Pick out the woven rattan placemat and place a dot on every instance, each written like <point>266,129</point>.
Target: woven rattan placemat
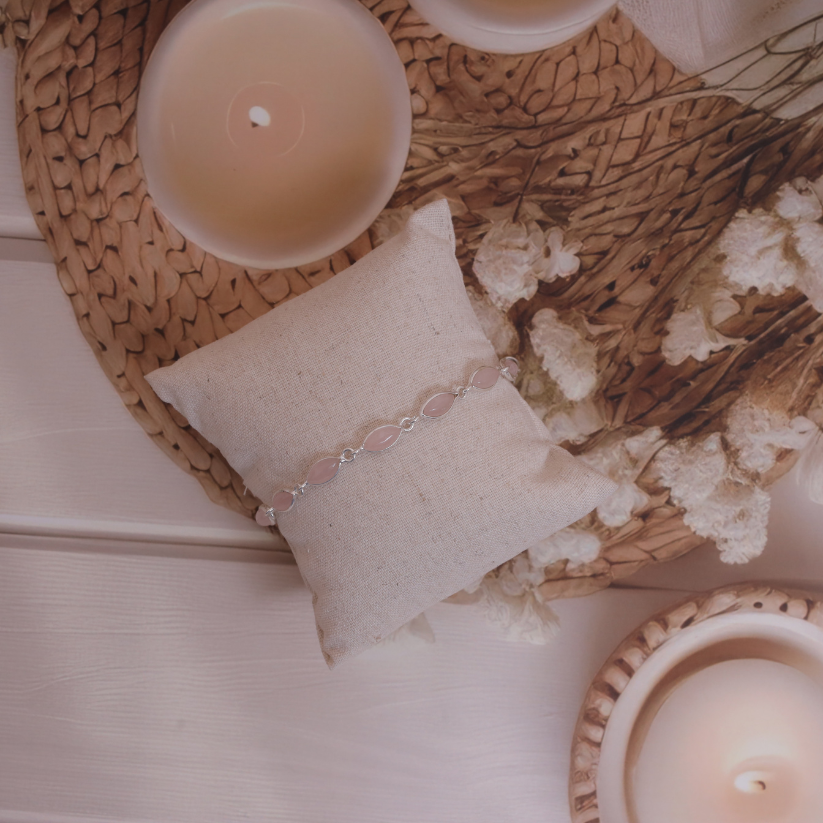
<point>641,164</point>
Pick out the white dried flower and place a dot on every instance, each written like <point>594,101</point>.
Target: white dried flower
<point>575,545</point>
<point>642,447</point>
<point>753,243</point>
<point>809,471</point>
<point>817,187</point>
<point>736,517</point>
<point>526,573</point>
<point>563,260</point>
<point>618,508</point>
<point>758,434</point>
<point>508,261</point>
<point>808,238</point>
<point>495,324</point>
<point>798,202</point>
<point>525,618</point>
<point>691,333</point>
<point>390,222</point>
<point>513,256</point>
<point>563,429</point>
<point>414,633</point>
<point>722,306</point>
<point>508,583</point>
<point>717,505</point>
<point>577,425</point>
<point>473,587</point>
<point>622,459</point>
<point>692,470</point>
<point>536,387</point>
<point>570,360</point>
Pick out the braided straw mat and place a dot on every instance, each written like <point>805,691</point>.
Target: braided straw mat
<point>643,165</point>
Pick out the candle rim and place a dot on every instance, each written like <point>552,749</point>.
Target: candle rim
<point>398,116</point>
<point>767,605</point>
<point>730,631</point>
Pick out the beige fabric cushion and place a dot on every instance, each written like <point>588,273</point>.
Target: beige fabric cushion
<point>398,531</point>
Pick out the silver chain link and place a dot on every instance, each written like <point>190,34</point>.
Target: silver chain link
<point>406,425</point>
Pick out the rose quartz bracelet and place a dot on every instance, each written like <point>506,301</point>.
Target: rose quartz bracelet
<point>384,437</point>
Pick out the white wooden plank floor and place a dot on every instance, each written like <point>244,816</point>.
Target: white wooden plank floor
<point>165,689</point>
<point>158,662</point>
<point>73,459</point>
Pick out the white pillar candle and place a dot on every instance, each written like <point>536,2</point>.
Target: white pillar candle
<point>738,742</point>
<point>511,26</point>
<point>273,132</point>
<point>711,712</point>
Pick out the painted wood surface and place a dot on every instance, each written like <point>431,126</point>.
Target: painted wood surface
<point>73,459</point>
<point>15,217</point>
<point>140,688</point>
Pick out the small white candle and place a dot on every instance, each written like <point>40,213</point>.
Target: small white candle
<point>511,26</point>
<point>711,712</point>
<point>738,742</point>
<point>273,132</point>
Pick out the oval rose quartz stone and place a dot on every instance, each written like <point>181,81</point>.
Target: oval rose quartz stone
<point>439,405</point>
<point>381,438</point>
<point>323,471</point>
<point>262,518</point>
<point>282,501</point>
<point>513,366</point>
<point>485,378</point>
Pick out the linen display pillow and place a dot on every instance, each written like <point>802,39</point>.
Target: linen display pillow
<point>398,531</point>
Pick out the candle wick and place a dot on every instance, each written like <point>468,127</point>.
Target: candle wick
<point>750,783</point>
<point>259,117</point>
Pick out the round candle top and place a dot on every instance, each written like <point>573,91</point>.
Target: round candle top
<point>273,132</point>
<point>738,742</point>
<point>511,26</point>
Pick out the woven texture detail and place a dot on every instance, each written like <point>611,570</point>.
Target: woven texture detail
<point>601,135</point>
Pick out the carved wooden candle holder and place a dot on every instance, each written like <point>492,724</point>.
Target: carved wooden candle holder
<point>711,710</point>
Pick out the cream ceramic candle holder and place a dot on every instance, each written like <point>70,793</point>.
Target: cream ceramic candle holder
<point>712,710</point>
<point>273,133</point>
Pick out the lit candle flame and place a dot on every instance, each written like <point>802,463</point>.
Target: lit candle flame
<point>751,782</point>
